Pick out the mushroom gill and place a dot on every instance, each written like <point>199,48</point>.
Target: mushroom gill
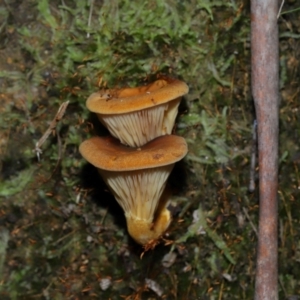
<point>139,193</point>
<point>137,115</point>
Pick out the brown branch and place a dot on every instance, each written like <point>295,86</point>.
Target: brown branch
<point>265,91</point>
<point>59,115</point>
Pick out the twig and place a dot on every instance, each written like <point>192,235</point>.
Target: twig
<point>192,200</point>
<point>60,113</point>
<point>250,221</point>
<point>63,237</point>
<point>90,16</point>
<point>265,92</point>
<point>284,290</point>
<point>280,9</point>
<point>290,218</point>
<point>59,146</point>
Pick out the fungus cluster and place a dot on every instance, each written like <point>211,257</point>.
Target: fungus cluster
<point>136,161</point>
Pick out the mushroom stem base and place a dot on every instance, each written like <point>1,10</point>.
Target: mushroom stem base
<point>143,231</point>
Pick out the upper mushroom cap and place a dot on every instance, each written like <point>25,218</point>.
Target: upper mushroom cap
<point>120,101</point>
<point>109,154</point>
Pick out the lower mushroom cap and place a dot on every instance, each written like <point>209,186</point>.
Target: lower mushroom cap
<point>107,153</point>
<point>137,178</point>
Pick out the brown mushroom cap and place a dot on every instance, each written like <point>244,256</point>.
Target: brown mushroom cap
<point>120,101</point>
<point>137,178</point>
<point>107,153</point>
<point>136,116</point>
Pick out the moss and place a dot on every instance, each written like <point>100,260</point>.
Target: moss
<point>62,231</point>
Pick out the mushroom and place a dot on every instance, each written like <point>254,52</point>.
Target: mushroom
<point>138,115</point>
<point>137,178</point>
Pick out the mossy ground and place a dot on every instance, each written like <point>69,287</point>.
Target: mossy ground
<point>62,235</point>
